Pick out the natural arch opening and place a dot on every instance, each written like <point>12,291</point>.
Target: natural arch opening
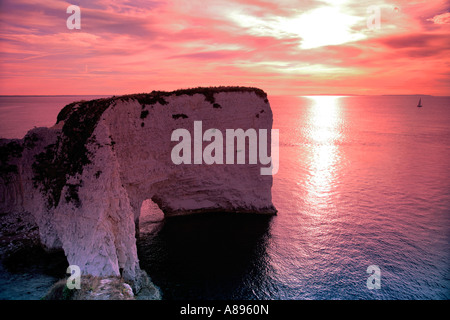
<point>217,256</point>
<point>150,216</point>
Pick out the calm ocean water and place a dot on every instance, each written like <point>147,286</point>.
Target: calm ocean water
<point>18,114</point>
<point>363,180</point>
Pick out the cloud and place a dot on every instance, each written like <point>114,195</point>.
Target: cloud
<point>443,18</point>
<point>129,46</point>
<point>210,55</point>
<point>422,40</point>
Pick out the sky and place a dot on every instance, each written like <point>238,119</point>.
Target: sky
<point>284,47</point>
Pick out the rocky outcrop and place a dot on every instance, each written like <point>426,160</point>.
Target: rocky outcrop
<point>84,179</point>
<point>92,288</point>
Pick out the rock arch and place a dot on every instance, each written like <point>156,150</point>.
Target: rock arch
<point>84,180</point>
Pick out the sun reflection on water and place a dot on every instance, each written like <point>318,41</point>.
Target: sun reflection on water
<point>323,132</point>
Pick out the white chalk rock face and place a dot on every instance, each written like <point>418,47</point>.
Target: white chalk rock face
<point>85,179</point>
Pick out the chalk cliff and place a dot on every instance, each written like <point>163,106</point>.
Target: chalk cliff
<point>84,179</point>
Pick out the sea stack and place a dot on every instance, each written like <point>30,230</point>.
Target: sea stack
<point>84,179</point>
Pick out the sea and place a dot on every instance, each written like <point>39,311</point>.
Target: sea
<point>363,200</point>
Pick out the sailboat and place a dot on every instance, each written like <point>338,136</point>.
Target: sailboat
<point>419,105</point>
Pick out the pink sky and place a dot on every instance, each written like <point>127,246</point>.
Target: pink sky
<point>282,47</point>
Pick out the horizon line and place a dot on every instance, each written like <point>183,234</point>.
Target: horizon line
<point>293,95</point>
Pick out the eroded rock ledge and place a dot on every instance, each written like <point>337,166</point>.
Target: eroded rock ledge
<point>84,179</point>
